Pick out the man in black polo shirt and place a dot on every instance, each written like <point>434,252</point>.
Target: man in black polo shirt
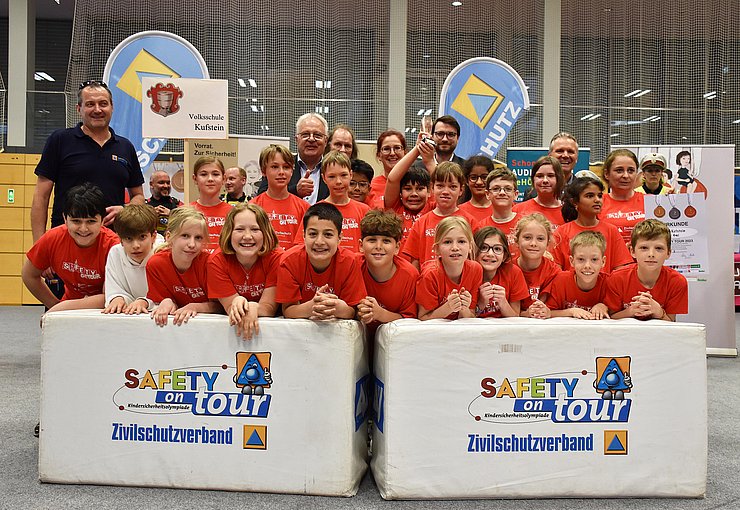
<point>88,152</point>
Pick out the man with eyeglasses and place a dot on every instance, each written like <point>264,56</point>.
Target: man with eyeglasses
<point>445,134</point>
<point>89,152</point>
<point>311,138</point>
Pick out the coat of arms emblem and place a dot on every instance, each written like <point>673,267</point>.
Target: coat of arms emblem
<point>164,98</point>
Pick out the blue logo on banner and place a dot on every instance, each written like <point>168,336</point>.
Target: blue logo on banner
<point>486,96</point>
<point>146,54</point>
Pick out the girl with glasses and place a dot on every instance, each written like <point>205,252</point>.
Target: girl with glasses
<point>503,286</point>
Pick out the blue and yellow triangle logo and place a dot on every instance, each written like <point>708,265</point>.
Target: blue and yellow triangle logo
<point>615,442</point>
<point>143,65</point>
<point>255,437</point>
<point>477,101</point>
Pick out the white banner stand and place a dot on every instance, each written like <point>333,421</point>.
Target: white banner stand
<point>513,408</point>
<point>125,402</point>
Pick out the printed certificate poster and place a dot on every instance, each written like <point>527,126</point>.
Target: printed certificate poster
<point>685,215</point>
<point>184,108</point>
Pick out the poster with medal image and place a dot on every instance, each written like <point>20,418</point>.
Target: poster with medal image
<point>685,215</point>
<point>706,241</point>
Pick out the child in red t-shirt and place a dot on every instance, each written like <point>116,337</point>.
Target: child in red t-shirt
<point>319,280</point>
<point>447,188</point>
<point>648,289</point>
<point>336,172</point>
<point>580,291</point>
<point>76,252</point>
<point>176,273</point>
<point>284,209</point>
<point>581,206</point>
<point>390,281</point>
<point>242,275</point>
<point>208,175</point>
<point>503,285</point>
<point>448,286</point>
<point>477,202</point>
<point>533,236</point>
<point>501,191</point>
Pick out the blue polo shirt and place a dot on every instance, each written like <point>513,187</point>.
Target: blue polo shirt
<point>71,158</point>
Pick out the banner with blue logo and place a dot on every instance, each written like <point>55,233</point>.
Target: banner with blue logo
<point>487,97</point>
<point>146,54</point>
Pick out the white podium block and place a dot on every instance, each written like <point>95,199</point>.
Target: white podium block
<point>125,402</point>
<point>516,408</point>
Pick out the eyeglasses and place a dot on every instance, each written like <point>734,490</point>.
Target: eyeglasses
<point>496,248</point>
<point>476,178</point>
<point>388,149</point>
<point>315,136</point>
<point>93,83</point>
<point>498,189</point>
<point>445,134</point>
<point>361,185</point>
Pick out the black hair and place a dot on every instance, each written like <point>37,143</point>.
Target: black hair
<point>572,194</point>
<point>324,211</point>
<point>416,176</point>
<point>363,167</point>
<point>447,119</point>
<point>84,201</point>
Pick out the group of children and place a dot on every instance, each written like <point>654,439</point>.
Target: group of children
<point>417,256</point>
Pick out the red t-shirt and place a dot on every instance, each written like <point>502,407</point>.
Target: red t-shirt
<point>227,277</point>
<point>352,214</point>
<point>420,242</point>
<point>165,281</point>
<point>434,285</point>
<point>616,253</point>
<point>397,295</point>
<point>507,227</point>
<point>81,269</point>
<point>511,278</point>
<point>286,216</point>
<point>553,214</point>
<point>215,218</point>
<point>409,218</point>
<point>477,213</point>
<point>623,214</point>
<point>539,280</point>
<point>297,280</point>
<point>671,290</point>
<point>563,292</point>
<point>377,190</point>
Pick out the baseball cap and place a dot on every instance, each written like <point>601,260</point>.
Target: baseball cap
<point>653,158</point>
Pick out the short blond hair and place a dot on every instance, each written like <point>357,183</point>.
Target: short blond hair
<point>447,224</point>
<point>649,230</point>
<point>588,238</point>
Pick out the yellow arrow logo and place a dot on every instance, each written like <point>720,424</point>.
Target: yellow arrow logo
<point>144,64</point>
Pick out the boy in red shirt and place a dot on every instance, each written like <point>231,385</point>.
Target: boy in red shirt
<point>447,187</point>
<point>390,280</point>
<point>336,172</point>
<point>648,289</point>
<point>76,251</point>
<point>580,291</point>
<point>208,175</point>
<point>284,209</point>
<point>502,191</point>
<point>319,280</point>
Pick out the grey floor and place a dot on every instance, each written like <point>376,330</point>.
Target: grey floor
<point>20,488</point>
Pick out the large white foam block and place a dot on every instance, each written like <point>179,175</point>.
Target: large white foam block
<point>515,408</point>
<point>125,402</point>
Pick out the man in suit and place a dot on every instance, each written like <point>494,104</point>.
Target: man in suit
<point>311,138</point>
<point>445,133</point>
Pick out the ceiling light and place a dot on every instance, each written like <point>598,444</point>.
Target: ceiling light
<point>254,107</point>
<point>613,135</point>
<point>630,94</point>
<point>327,84</point>
<point>265,128</point>
<point>252,83</point>
<point>652,118</point>
<point>319,84</point>
<point>44,76</point>
<point>426,56</point>
<point>456,3</point>
<point>710,95</point>
<point>420,112</point>
<point>241,83</point>
<point>736,121</point>
<point>428,112</point>
<point>640,94</point>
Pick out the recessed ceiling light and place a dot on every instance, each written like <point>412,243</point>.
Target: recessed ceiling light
<point>426,56</point>
<point>456,3</point>
<point>241,82</point>
<point>252,83</point>
<point>642,93</point>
